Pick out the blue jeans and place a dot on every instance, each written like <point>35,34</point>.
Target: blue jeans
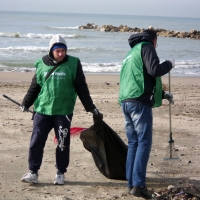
<point>138,124</point>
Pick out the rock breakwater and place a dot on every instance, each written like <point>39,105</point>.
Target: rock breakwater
<point>193,34</point>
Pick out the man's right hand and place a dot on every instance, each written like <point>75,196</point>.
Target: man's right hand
<point>23,109</point>
<point>172,62</point>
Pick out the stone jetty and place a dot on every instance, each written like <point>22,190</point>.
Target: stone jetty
<point>193,34</point>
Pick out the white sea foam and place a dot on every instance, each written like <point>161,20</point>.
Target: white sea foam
<point>34,35</point>
<point>42,49</point>
<point>113,67</point>
<point>25,49</point>
<point>80,49</point>
<point>102,67</point>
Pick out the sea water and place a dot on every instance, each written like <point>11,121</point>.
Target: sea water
<point>25,36</point>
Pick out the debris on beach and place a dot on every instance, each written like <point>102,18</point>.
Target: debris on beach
<point>185,192</point>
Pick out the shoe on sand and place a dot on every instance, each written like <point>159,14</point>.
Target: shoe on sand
<point>59,179</point>
<point>30,178</point>
<point>141,191</point>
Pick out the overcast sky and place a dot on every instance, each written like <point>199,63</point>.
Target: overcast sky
<point>174,8</point>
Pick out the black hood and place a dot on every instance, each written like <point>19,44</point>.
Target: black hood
<point>139,37</point>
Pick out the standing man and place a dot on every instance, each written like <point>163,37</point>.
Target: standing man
<point>140,90</point>
<point>58,80</point>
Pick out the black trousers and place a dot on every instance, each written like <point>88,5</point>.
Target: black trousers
<point>42,125</point>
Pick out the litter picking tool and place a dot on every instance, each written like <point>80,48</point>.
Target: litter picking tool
<point>171,141</point>
<point>15,102</point>
<point>74,131</point>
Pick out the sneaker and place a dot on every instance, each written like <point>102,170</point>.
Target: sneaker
<point>59,179</point>
<point>30,178</point>
<point>141,191</point>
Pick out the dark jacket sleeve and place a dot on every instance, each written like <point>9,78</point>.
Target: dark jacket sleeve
<point>82,89</point>
<point>32,93</point>
<point>151,62</point>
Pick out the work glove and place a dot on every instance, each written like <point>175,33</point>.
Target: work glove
<point>172,62</point>
<point>96,114</point>
<point>169,97</point>
<point>24,109</point>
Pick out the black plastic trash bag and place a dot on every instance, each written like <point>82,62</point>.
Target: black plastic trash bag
<point>108,150</point>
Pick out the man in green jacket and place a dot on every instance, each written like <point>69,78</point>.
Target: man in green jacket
<point>140,90</point>
<point>58,80</point>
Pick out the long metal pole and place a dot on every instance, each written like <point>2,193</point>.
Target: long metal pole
<point>170,125</point>
<point>15,102</point>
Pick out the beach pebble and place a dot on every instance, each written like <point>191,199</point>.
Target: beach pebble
<point>175,149</point>
<point>151,164</point>
<point>170,187</point>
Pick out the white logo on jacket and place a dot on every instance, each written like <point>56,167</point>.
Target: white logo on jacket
<point>56,74</point>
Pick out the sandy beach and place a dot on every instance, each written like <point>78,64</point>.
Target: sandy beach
<point>83,179</point>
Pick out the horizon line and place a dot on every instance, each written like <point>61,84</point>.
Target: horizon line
<point>98,14</point>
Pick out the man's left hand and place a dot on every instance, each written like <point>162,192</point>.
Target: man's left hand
<point>96,114</point>
<point>169,97</point>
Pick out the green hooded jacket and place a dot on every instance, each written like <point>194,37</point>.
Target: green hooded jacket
<point>132,78</point>
<point>57,95</point>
